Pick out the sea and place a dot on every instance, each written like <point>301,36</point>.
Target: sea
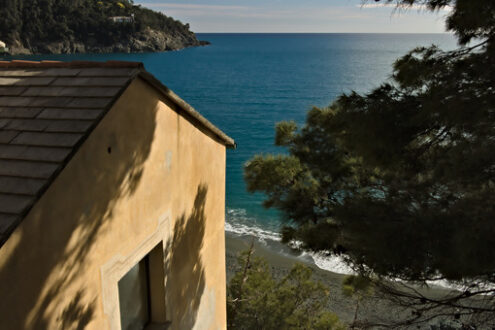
<point>246,83</point>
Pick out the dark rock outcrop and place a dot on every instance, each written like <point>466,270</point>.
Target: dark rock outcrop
<point>141,42</point>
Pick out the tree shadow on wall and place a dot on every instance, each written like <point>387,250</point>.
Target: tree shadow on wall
<point>186,281</point>
<point>77,315</point>
<point>49,260</point>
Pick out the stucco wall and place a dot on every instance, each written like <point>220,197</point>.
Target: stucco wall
<point>146,173</point>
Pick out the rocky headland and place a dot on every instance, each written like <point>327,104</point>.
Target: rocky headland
<point>141,42</point>
<point>90,26</point>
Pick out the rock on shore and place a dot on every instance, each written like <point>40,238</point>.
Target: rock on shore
<point>140,42</point>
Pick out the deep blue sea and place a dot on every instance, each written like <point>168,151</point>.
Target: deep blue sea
<point>245,83</point>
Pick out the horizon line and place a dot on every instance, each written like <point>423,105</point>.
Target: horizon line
<point>324,33</point>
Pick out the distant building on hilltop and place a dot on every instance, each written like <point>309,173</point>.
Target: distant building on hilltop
<point>3,47</point>
<point>122,19</point>
<point>112,201</point>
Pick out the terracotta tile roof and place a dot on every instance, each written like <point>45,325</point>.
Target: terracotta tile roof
<point>47,109</point>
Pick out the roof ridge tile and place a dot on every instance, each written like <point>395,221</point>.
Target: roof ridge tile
<point>73,64</point>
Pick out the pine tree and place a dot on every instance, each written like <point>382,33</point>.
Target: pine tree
<point>258,300</point>
<point>401,180</point>
<point>358,287</point>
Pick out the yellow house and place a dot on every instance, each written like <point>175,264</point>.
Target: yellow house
<point>112,198</point>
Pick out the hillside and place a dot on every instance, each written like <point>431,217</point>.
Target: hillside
<point>93,26</point>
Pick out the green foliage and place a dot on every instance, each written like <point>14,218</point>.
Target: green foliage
<point>36,22</point>
<point>400,180</point>
<point>356,285</point>
<point>257,300</point>
<point>285,132</point>
<point>469,19</point>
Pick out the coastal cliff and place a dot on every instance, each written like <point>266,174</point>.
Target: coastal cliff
<point>146,41</point>
<point>89,26</point>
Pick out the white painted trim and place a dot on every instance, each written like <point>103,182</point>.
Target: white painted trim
<point>119,265</point>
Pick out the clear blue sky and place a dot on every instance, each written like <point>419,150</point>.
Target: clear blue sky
<point>298,16</point>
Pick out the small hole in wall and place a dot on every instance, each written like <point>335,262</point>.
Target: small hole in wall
<point>109,150</point>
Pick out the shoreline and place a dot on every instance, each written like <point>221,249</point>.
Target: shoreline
<point>101,50</point>
<point>280,260</point>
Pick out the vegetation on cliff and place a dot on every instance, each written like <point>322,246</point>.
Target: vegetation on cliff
<point>68,26</point>
<point>256,299</point>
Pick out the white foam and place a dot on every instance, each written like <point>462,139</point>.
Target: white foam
<point>462,287</point>
<point>333,263</point>
<point>259,233</point>
<point>240,224</point>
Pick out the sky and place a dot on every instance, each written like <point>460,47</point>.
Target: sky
<point>337,16</point>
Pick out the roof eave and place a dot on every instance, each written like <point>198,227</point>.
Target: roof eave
<point>205,123</point>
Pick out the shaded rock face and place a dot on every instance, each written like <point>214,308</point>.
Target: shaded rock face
<point>17,47</point>
<point>152,40</point>
<point>147,41</point>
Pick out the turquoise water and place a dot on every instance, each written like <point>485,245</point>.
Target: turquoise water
<point>245,83</point>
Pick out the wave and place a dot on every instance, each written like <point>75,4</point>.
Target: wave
<point>239,223</point>
<point>335,264</point>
